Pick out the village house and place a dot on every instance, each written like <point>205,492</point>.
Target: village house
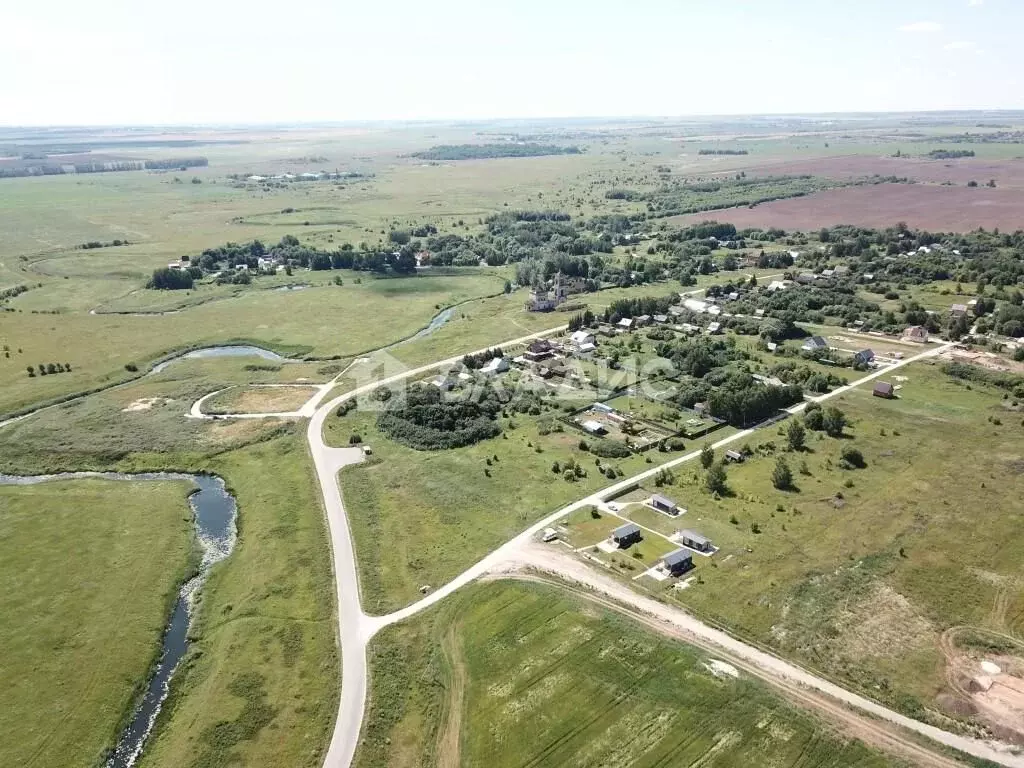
<point>864,357</point>
<point>814,343</point>
<point>594,427</point>
<point>883,389</point>
<point>664,504</point>
<point>626,534</point>
<point>579,338</point>
<point>495,366</point>
<point>661,319</point>
<point>626,323</point>
<point>678,562</point>
<point>714,328</point>
<point>641,320</point>
<point>776,285</point>
<point>541,349</point>
<point>958,310</point>
<point>694,540</point>
<point>917,333</point>
<point>694,305</point>
<point>606,330</point>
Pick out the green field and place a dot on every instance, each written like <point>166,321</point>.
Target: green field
<point>90,570</point>
<point>858,572</point>
<point>516,675</point>
<point>324,321</point>
<point>260,686</point>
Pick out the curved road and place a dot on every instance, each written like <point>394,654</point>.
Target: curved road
<point>356,628</point>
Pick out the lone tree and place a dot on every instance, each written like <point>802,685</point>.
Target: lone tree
<point>833,421</point>
<point>715,479</point>
<point>795,435</point>
<point>814,418</point>
<point>707,456</point>
<point>782,475</point>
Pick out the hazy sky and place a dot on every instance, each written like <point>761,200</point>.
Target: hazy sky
<point>217,61</point>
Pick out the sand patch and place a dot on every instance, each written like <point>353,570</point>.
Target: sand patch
<point>884,624</point>
<point>145,404</point>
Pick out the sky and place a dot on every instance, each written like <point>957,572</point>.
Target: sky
<point>124,62</point>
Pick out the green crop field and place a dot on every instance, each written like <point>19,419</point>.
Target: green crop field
<point>90,570</point>
<point>513,675</point>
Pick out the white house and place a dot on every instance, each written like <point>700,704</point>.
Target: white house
<point>579,338</point>
<point>695,305</point>
<point>495,365</point>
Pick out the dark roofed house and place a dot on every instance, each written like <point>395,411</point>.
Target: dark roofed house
<point>865,356</point>
<point>539,350</point>
<point>679,561</point>
<point>664,504</point>
<point>815,342</point>
<point>626,534</point>
<point>883,389</point>
<point>694,540</point>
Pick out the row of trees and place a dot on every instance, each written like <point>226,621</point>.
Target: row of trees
<point>49,369</point>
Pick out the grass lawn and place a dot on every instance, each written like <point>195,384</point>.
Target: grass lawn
<point>859,571</point>
<point>90,570</point>
<point>508,674</point>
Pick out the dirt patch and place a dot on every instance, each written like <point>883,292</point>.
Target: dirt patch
<point>884,624</point>
<point>989,360</point>
<point>259,400</point>
<point>145,404</point>
<point>937,208</point>
<point>988,685</point>
<point>236,431</point>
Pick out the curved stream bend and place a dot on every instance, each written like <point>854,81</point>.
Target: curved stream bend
<point>214,514</point>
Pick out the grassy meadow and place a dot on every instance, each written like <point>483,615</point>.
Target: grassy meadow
<point>90,570</point>
<point>509,675</point>
<point>421,517</point>
<point>323,321</point>
<point>260,685</point>
<point>857,572</point>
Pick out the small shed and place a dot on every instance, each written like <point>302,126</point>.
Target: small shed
<point>626,534</point>
<point>734,456</point>
<point>883,389</point>
<point>694,540</point>
<point>594,427</point>
<point>678,561</point>
<point>664,504</point>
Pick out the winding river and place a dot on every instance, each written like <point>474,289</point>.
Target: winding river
<point>214,514</point>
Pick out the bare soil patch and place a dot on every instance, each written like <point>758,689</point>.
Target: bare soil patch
<point>259,400</point>
<point>937,208</point>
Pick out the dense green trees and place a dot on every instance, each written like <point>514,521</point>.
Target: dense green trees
<point>166,279</point>
<point>426,421</point>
